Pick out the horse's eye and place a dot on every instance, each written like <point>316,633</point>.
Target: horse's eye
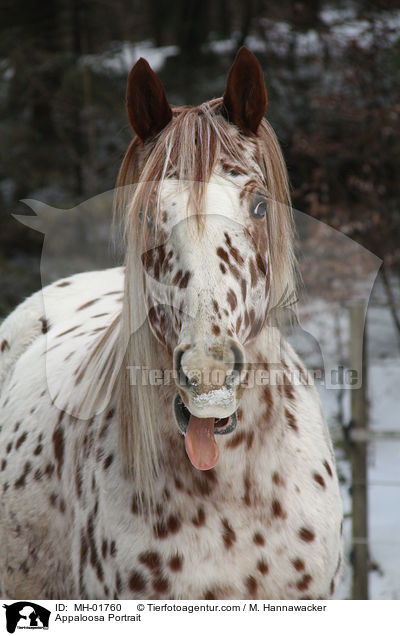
<point>259,209</point>
<point>149,219</point>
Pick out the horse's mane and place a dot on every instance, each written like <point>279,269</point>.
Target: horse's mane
<point>188,150</point>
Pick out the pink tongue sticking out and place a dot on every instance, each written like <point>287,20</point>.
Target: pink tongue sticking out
<point>200,444</point>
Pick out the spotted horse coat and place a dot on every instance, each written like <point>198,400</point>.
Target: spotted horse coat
<point>109,501</point>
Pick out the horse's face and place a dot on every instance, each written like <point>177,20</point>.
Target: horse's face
<point>206,273</point>
<point>207,281</point>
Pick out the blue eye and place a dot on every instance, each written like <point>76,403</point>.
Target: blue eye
<point>149,219</point>
<point>260,208</point>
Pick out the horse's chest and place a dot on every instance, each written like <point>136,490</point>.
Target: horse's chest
<point>204,550</point>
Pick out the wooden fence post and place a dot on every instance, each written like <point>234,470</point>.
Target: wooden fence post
<point>359,420</point>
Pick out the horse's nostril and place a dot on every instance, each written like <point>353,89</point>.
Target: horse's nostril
<point>238,357</point>
<point>183,379</point>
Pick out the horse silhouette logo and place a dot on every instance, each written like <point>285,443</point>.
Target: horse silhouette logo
<point>26,615</point>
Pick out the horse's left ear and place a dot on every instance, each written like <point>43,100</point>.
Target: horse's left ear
<point>245,97</point>
<point>146,101</point>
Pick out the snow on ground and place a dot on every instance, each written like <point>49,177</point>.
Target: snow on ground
<point>123,56</point>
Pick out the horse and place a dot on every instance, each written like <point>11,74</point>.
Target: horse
<point>146,450</point>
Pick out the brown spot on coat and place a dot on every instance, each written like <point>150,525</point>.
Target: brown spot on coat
<point>78,481</point>
<point>251,584</point>
<point>137,582</point>
<point>108,461</point>
<point>253,272</point>
<point>235,441</point>
<point>319,479</point>
<point>262,567</point>
<point>306,535</point>
<point>20,440</point>
<point>84,549</point>
<point>160,530</point>
<point>45,325</point>
<point>173,524</point>
<point>258,539</point>
<point>228,534</point>
<point>232,299</point>
<point>276,478</point>
<point>277,510</point>
<point>184,280</point>
<point>291,420</point>
<point>20,482</point>
<point>49,470</point>
<point>210,595</point>
<point>176,563</point>
<point>88,304</point>
<point>243,287</point>
<point>289,389</point>
<point>261,264</point>
<point>247,488</point>
<point>234,252</point>
<point>64,333</point>
<point>223,255</point>
<point>152,560</point>
<point>328,469</point>
<point>204,483</point>
<point>118,583</point>
<point>4,346</point>
<point>135,505</point>
<point>298,564</point>
<point>304,583</point>
<point>177,277</point>
<point>200,518</point>
<point>58,446</point>
<point>94,557</point>
<point>161,584</point>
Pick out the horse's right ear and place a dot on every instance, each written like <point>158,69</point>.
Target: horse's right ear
<point>146,102</point>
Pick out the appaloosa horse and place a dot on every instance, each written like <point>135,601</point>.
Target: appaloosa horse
<point>122,479</point>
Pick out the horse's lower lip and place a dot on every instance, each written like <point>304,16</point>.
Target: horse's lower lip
<point>222,426</point>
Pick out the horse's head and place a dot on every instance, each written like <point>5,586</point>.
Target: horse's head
<point>211,226</point>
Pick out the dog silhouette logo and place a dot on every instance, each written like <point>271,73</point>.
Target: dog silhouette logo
<point>26,615</point>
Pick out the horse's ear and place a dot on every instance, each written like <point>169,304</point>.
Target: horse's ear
<point>245,97</point>
<point>146,102</point>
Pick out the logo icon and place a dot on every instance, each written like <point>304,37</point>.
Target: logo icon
<point>26,615</point>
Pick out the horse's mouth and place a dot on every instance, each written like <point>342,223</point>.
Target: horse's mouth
<point>222,426</point>
<point>200,443</point>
